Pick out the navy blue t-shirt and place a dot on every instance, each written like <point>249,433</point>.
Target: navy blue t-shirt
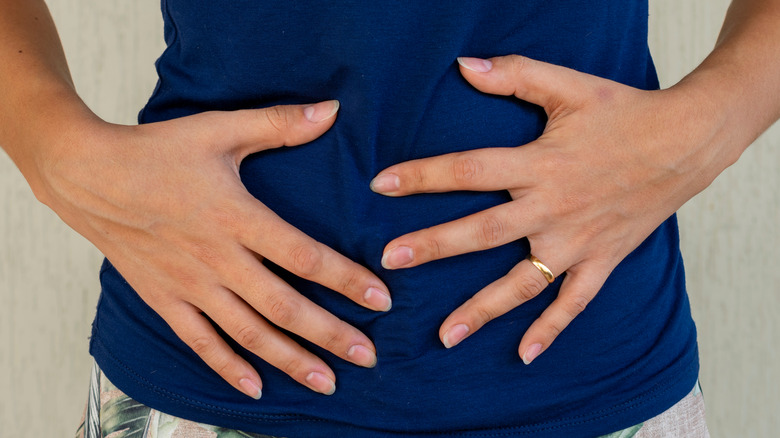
<point>629,356</point>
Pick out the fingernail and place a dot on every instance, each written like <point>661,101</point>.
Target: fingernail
<point>362,356</point>
<point>398,257</point>
<point>454,335</point>
<point>531,353</point>
<point>321,383</point>
<point>378,299</point>
<point>250,388</point>
<point>386,183</point>
<point>476,64</point>
<point>321,111</point>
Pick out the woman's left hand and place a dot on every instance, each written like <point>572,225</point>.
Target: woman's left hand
<point>613,163</point>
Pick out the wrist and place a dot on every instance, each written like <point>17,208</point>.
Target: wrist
<point>716,124</point>
<point>737,82</point>
<point>42,127</point>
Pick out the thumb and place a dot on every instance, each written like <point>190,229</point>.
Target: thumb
<point>254,130</point>
<point>538,82</point>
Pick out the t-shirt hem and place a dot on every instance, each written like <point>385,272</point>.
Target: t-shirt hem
<point>660,397</point>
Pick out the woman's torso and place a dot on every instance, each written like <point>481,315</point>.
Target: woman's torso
<point>631,354</point>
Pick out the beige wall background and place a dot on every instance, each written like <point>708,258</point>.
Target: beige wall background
<point>48,274</point>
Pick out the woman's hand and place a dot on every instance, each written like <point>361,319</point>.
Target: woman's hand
<point>613,163</point>
<point>165,204</point>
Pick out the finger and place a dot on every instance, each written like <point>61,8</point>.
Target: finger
<point>198,333</point>
<point>303,256</point>
<point>283,306</point>
<point>242,323</point>
<point>541,83</point>
<point>520,285</point>
<point>577,291</point>
<point>254,130</point>
<point>486,229</point>
<point>478,170</point>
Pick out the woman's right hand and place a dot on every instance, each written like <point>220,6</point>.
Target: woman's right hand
<point>165,204</point>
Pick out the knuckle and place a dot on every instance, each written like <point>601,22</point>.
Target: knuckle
<point>526,288</point>
<point>554,163</point>
<point>203,346</point>
<point>185,277</point>
<point>251,337</point>
<point>434,248</point>
<point>466,170</point>
<point>283,311</point>
<point>331,341</point>
<point>572,203</point>
<point>485,314</point>
<point>293,366</point>
<point>222,367</point>
<point>227,217</point>
<point>490,231</point>
<point>349,283</point>
<point>553,330</point>
<point>278,118</point>
<point>518,64</point>
<point>306,259</point>
<point>206,254</point>
<point>418,177</point>
<point>577,305</point>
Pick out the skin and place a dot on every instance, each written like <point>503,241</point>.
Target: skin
<point>201,254</point>
<point>612,164</point>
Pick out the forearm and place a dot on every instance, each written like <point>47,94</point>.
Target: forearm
<point>739,82</point>
<point>39,100</point>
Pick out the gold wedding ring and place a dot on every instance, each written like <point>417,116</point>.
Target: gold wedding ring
<point>542,268</point>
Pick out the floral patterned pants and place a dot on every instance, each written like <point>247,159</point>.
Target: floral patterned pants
<point>112,414</point>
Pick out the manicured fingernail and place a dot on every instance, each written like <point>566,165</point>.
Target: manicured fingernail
<point>321,383</point>
<point>378,299</point>
<point>362,356</point>
<point>476,64</point>
<point>386,183</point>
<point>250,388</point>
<point>531,353</point>
<point>321,111</point>
<point>398,257</point>
<point>454,335</point>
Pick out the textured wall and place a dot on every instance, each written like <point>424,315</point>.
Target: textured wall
<point>48,274</point>
<point>731,245</point>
